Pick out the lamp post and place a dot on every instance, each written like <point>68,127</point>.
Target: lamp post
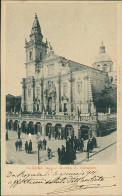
<point>38,139</point>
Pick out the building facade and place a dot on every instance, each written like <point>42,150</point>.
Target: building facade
<point>54,84</point>
<point>57,93</point>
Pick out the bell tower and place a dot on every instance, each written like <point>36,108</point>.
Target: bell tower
<point>36,49</point>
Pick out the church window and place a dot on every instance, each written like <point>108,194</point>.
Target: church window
<point>64,87</point>
<point>50,70</point>
<point>30,55</point>
<point>104,67</point>
<point>29,92</point>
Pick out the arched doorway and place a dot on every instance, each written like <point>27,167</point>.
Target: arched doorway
<point>58,130</point>
<point>84,132</point>
<point>69,130</point>
<point>24,126</point>
<point>30,128</point>
<point>48,128</point>
<point>38,128</point>
<point>16,125</point>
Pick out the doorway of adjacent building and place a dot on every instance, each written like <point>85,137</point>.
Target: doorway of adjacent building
<point>84,132</point>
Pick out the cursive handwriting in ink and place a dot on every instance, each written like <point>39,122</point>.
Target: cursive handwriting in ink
<point>75,187</point>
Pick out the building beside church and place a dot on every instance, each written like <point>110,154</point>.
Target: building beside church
<point>58,85</point>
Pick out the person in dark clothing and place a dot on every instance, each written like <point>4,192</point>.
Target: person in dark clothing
<point>88,146</point>
<point>63,158</point>
<point>81,145</point>
<point>75,143</point>
<point>40,145</point>
<point>44,144</point>
<point>30,147</point>
<point>49,136</point>
<point>49,153</point>
<point>72,141</point>
<point>59,135</point>
<point>19,133</point>
<point>73,156</point>
<point>26,147</point>
<point>67,145</point>
<point>94,141</point>
<point>6,135</point>
<point>20,144</point>
<point>16,145</point>
<point>91,144</point>
<point>59,154</point>
<point>63,149</point>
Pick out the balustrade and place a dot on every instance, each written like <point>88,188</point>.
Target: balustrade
<point>53,117</point>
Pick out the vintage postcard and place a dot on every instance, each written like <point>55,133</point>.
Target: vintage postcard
<point>61,99</point>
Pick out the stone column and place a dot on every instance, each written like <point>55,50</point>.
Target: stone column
<point>41,99</point>
<point>43,128</point>
<point>71,80</point>
<point>33,90</point>
<point>85,104</point>
<point>58,94</point>
<point>23,103</point>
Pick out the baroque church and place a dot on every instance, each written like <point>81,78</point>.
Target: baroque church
<point>57,85</point>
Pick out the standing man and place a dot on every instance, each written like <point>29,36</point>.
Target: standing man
<point>26,147</point>
<point>20,144</point>
<point>16,144</point>
<point>44,144</point>
<point>19,133</point>
<point>30,146</point>
<point>7,135</point>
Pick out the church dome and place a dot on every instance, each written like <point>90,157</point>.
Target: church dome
<point>102,56</point>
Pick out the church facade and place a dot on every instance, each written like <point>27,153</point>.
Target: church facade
<point>56,85</point>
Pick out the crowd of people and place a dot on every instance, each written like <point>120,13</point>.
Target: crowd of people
<point>18,145</point>
<point>66,154</point>
<point>42,144</point>
<point>92,143</point>
<point>28,147</point>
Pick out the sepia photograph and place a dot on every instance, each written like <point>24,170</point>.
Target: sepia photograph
<point>61,84</point>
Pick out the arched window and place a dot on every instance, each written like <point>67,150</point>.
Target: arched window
<point>104,67</point>
<point>30,54</point>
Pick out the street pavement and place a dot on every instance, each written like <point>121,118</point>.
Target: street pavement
<point>106,156</point>
<point>22,158</point>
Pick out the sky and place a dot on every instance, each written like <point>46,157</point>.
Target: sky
<point>75,31</point>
